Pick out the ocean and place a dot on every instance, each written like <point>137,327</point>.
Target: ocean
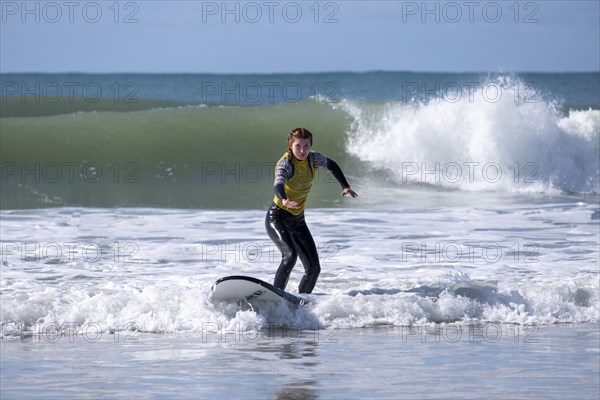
<point>468,267</point>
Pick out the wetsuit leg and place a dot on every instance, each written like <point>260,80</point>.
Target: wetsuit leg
<point>307,250</point>
<point>280,235</point>
<point>292,237</point>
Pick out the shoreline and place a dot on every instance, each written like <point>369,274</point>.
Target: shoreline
<point>380,362</point>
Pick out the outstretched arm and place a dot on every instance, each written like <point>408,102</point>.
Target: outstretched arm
<point>280,193</point>
<point>282,174</point>
<point>339,175</point>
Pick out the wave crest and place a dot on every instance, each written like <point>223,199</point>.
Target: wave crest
<point>479,142</point>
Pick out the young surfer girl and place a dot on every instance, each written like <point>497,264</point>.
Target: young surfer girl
<point>294,176</point>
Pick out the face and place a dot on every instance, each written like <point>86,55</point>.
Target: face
<point>300,148</point>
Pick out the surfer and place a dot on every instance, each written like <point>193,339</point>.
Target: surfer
<point>294,176</point>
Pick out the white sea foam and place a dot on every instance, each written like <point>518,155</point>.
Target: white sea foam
<point>525,264</point>
<point>479,142</point>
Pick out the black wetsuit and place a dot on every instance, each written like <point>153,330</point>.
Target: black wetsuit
<point>293,239</point>
<point>290,233</point>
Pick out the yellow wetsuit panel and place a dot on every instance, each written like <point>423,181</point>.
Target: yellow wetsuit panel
<point>298,186</point>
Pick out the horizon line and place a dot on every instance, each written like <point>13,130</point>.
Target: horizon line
<point>307,72</point>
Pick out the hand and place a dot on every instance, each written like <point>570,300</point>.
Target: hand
<point>349,191</point>
<point>290,204</point>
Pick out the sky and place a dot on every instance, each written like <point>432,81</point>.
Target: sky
<point>299,36</point>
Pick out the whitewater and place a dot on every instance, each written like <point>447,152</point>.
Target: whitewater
<point>472,249</point>
<point>440,282</point>
<point>503,264</point>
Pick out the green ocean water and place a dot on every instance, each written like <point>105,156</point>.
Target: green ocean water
<point>182,157</point>
<point>472,247</point>
<point>211,141</point>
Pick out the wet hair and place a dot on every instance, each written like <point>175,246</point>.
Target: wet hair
<point>298,133</point>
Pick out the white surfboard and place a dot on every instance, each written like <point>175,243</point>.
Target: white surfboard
<point>247,288</point>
